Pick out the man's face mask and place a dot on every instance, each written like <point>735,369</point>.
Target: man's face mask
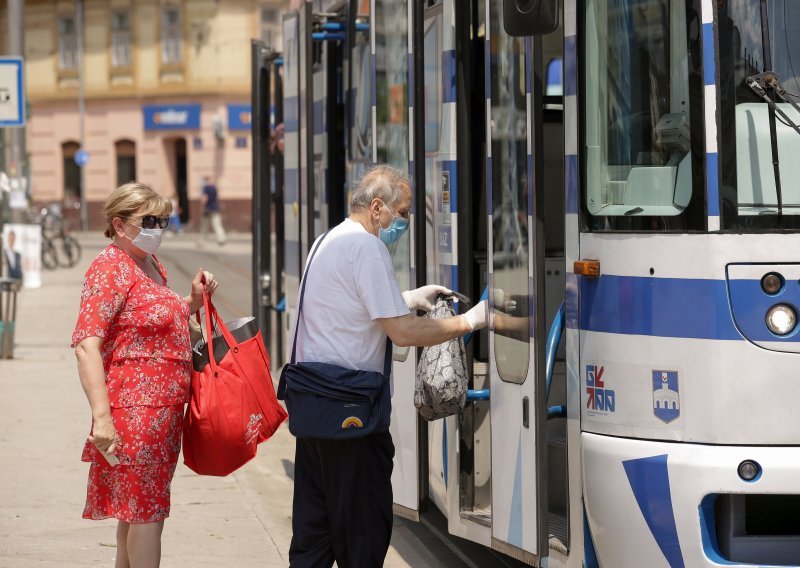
<point>396,228</point>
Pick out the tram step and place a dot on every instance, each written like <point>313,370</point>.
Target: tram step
<point>558,528</point>
<point>478,516</point>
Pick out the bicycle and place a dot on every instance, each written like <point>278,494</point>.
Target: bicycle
<point>59,248</point>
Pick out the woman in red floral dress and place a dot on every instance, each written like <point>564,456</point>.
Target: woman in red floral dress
<point>134,361</point>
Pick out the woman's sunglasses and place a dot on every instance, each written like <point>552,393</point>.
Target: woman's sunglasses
<point>151,222</point>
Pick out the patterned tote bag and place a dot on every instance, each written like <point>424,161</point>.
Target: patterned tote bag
<point>442,379</point>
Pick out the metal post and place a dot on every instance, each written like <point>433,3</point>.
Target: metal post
<point>81,112</point>
<point>16,46</point>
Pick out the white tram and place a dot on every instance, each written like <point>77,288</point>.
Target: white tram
<point>627,171</point>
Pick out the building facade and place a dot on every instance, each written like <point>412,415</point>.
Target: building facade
<point>167,99</point>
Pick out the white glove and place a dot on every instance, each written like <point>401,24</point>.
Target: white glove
<point>422,298</point>
<point>477,317</point>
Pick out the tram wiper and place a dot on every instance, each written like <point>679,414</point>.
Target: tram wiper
<point>769,80</point>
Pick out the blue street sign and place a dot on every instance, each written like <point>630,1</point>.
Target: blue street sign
<point>12,91</point>
<point>81,157</point>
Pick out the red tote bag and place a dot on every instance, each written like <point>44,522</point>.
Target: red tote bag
<point>233,406</point>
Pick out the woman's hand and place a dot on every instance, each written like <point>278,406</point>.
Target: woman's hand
<point>104,434</point>
<point>203,279</point>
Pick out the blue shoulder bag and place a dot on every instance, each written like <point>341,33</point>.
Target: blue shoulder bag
<point>332,402</point>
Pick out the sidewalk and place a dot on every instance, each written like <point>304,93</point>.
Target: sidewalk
<point>241,521</point>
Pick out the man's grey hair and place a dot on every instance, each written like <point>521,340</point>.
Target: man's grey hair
<point>382,181</point>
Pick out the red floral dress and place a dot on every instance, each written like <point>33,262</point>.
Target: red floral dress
<point>146,353</point>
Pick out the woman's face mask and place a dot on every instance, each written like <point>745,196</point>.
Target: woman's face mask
<point>147,240</point>
<point>394,231</point>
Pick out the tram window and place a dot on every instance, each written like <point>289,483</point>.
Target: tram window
<point>509,200</point>
<point>748,182</point>
<point>361,100</point>
<point>643,115</point>
<point>391,76</point>
<point>433,81</point>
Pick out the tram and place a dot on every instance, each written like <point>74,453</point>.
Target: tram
<point>619,177</point>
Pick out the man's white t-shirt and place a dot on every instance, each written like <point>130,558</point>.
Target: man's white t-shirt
<point>350,284</point>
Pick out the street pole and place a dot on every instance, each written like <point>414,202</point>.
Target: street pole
<point>81,112</point>
<point>16,46</point>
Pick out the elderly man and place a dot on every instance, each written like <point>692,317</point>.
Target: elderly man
<point>342,493</point>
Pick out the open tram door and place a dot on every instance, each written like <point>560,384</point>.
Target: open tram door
<point>450,242</point>
<point>268,221</point>
<point>313,53</point>
<point>532,514</point>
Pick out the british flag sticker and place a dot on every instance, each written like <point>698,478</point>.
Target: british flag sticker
<point>666,396</point>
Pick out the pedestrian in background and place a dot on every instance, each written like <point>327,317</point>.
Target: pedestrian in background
<point>342,508</point>
<point>134,360</point>
<point>13,258</point>
<point>175,224</point>
<point>211,212</point>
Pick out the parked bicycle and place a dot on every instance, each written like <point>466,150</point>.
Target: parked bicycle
<point>59,248</point>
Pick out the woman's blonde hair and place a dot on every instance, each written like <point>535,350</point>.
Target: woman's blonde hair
<point>134,200</point>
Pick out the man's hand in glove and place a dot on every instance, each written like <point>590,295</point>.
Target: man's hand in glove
<point>422,298</point>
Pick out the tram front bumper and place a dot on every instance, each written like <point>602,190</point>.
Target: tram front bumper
<point>676,504</point>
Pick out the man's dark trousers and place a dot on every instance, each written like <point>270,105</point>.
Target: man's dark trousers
<point>342,502</point>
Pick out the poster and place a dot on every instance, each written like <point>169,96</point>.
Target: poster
<point>22,246</point>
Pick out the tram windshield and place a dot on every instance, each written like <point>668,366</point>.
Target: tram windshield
<point>643,100</point>
<point>755,194</point>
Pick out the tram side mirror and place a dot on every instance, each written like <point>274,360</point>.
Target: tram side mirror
<point>530,17</point>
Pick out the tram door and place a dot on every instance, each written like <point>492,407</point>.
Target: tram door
<point>391,145</point>
<point>449,240</point>
<point>267,105</point>
<point>291,169</point>
<point>516,259</point>
<point>314,118</point>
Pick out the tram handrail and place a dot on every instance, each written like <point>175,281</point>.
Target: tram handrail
<point>339,27</point>
<point>553,340</point>
<point>477,394</point>
<point>327,36</point>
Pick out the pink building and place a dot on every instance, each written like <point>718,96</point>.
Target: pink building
<point>167,90</point>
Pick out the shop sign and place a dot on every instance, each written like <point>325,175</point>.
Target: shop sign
<point>239,116</point>
<point>171,117</point>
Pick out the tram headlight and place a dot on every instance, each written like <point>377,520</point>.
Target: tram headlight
<point>749,470</point>
<point>781,319</point>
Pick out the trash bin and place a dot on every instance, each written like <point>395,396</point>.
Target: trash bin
<point>8,314</point>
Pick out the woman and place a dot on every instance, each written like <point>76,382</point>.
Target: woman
<point>134,360</point>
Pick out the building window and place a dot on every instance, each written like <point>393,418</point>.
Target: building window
<point>126,161</point>
<point>120,39</point>
<point>271,27</point>
<point>67,43</point>
<point>171,36</point>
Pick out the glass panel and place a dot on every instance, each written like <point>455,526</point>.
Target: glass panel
<point>361,100</point>
<point>438,228</point>
<point>433,82</point>
<point>748,184</point>
<point>509,172</point>
<point>638,123</point>
<point>391,62</point>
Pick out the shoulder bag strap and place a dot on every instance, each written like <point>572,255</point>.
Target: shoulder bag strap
<point>387,361</point>
<point>302,294</point>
